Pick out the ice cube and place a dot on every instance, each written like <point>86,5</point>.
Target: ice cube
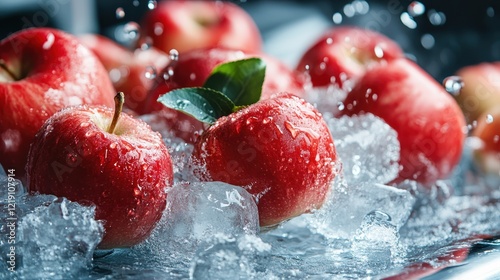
<point>377,240</point>
<point>232,258</point>
<point>198,211</point>
<point>367,147</point>
<point>50,237</point>
<point>347,206</point>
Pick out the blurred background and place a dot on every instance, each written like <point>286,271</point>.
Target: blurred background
<point>441,36</point>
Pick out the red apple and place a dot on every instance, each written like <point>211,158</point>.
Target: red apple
<point>41,71</point>
<point>187,25</point>
<point>194,67</point>
<point>88,154</point>
<point>279,149</point>
<point>428,121</point>
<point>487,155</point>
<point>481,89</point>
<point>344,53</point>
<point>132,72</point>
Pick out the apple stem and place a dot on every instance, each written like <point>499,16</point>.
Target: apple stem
<point>119,100</point>
<point>4,67</point>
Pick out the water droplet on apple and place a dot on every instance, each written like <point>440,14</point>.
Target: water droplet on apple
<point>146,43</point>
<point>84,124</point>
<point>131,213</point>
<point>137,191</point>
<point>192,76</point>
<point>89,134</point>
<point>152,4</point>
<point>169,72</point>
<point>453,85</point>
<point>489,119</point>
<point>174,55</point>
<point>267,120</point>
<point>496,138</point>
<point>340,106</point>
<point>416,9</point>
<point>112,145</point>
<point>120,13</point>
<point>158,28</point>
<point>150,72</point>
<point>379,52</point>
<point>131,30</point>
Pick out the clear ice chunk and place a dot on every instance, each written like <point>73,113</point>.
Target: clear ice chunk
<point>347,206</point>
<point>198,211</point>
<point>367,147</point>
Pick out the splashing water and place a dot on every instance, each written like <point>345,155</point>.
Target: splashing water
<point>453,84</point>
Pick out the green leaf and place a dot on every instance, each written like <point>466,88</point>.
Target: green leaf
<point>239,80</point>
<point>204,104</point>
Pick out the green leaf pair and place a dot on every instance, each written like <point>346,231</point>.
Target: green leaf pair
<point>229,87</point>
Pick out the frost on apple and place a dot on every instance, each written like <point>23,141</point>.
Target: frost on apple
<point>50,235</point>
<point>367,147</point>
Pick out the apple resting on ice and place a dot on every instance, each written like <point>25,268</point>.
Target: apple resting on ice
<point>128,70</point>
<point>192,70</point>
<point>481,89</point>
<point>429,123</point>
<point>279,149</point>
<point>41,71</point>
<point>344,53</point>
<point>487,155</point>
<point>188,25</point>
<point>90,154</point>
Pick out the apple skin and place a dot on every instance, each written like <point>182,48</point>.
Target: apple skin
<point>187,25</point>
<point>481,90</point>
<point>194,67</point>
<point>53,70</point>
<point>429,123</point>
<point>279,149</point>
<point>124,174</point>
<point>127,68</point>
<point>487,155</point>
<point>346,53</point>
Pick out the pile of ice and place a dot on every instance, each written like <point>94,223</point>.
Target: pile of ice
<point>44,236</point>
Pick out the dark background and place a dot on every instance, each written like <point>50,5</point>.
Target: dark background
<point>468,35</point>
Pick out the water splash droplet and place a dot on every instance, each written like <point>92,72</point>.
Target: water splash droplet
<point>120,13</point>
<point>427,41</point>
<point>340,106</point>
<point>169,72</point>
<point>416,9</point>
<point>453,84</point>
<point>436,18</point>
<point>408,21</point>
<point>152,4</point>
<point>349,10</point>
<point>337,18</point>
<point>150,72</point>
<point>131,30</point>
<point>489,118</point>
<point>136,3</point>
<point>379,52</point>
<point>158,29</point>
<point>174,55</point>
